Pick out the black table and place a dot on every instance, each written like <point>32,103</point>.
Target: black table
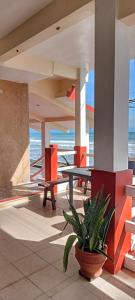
<point>76,172</point>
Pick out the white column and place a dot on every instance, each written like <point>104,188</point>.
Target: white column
<point>80,108</point>
<point>45,137</point>
<point>111,88</point>
<point>88,140</point>
<point>42,138</point>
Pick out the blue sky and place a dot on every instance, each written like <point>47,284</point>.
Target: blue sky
<point>90,92</point>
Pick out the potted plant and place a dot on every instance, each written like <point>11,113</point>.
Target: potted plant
<point>90,231</point>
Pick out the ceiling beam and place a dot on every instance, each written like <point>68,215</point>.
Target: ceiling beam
<point>127,12</point>
<point>36,64</point>
<point>126,8</point>
<point>43,25</point>
<point>59,127</point>
<point>59,119</point>
<point>40,119</point>
<point>31,121</point>
<point>54,102</point>
<point>36,117</point>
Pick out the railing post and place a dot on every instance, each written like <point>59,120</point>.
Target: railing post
<point>80,159</point>
<point>80,156</point>
<point>51,162</point>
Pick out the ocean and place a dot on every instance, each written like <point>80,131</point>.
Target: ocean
<point>66,141</point>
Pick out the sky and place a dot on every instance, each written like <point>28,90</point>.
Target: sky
<point>90,92</point>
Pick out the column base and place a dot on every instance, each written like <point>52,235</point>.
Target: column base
<point>118,241</point>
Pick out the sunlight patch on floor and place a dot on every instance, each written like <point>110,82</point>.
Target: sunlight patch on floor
<point>22,225</point>
<point>110,290</point>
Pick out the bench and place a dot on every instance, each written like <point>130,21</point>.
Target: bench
<point>49,187</point>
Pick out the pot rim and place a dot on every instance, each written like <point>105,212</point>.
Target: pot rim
<point>90,253</point>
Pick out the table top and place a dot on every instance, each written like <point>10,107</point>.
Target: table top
<point>80,172</point>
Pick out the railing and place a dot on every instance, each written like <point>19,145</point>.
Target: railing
<point>36,161</point>
<point>42,168</point>
<point>64,153</point>
<point>131,158</point>
<point>37,173</point>
<point>61,153</point>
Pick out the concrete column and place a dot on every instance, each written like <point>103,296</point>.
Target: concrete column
<point>80,109</point>
<point>111,125</point>
<point>51,164</point>
<point>111,88</point>
<point>87,141</point>
<point>45,136</point>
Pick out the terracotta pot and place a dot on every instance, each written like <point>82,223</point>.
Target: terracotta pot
<point>90,263</point>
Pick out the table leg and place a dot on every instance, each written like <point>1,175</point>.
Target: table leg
<point>71,189</point>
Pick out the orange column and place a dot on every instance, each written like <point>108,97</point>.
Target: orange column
<point>51,163</point>
<point>80,156</point>
<point>80,159</point>
<point>118,241</point>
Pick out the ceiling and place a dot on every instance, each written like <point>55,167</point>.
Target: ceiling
<point>61,107</point>
<point>19,76</point>
<point>15,12</point>
<point>73,46</point>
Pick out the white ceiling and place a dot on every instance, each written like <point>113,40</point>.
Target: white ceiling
<point>73,46</point>
<point>15,12</point>
<point>45,109</point>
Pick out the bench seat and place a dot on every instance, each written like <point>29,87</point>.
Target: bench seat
<point>49,187</point>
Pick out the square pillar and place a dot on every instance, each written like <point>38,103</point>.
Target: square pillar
<point>87,141</point>
<point>118,240</point>
<point>51,163</point>
<point>80,156</point>
<point>111,125</point>
<point>45,139</point>
<point>80,108</point>
<point>111,88</point>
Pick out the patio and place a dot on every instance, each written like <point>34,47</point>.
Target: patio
<point>31,251</point>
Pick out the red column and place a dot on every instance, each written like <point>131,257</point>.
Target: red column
<point>80,156</point>
<point>118,241</point>
<point>51,163</point>
<point>80,159</point>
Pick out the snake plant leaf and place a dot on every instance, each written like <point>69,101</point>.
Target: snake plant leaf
<point>102,252</point>
<point>86,205</point>
<point>71,239</point>
<point>75,214</point>
<point>90,212</point>
<point>105,225</point>
<point>94,238</point>
<point>72,221</point>
<point>84,234</point>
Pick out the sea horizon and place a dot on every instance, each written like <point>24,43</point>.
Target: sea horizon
<point>67,141</point>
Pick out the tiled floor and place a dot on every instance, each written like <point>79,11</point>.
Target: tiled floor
<point>31,251</point>
<point>21,190</point>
